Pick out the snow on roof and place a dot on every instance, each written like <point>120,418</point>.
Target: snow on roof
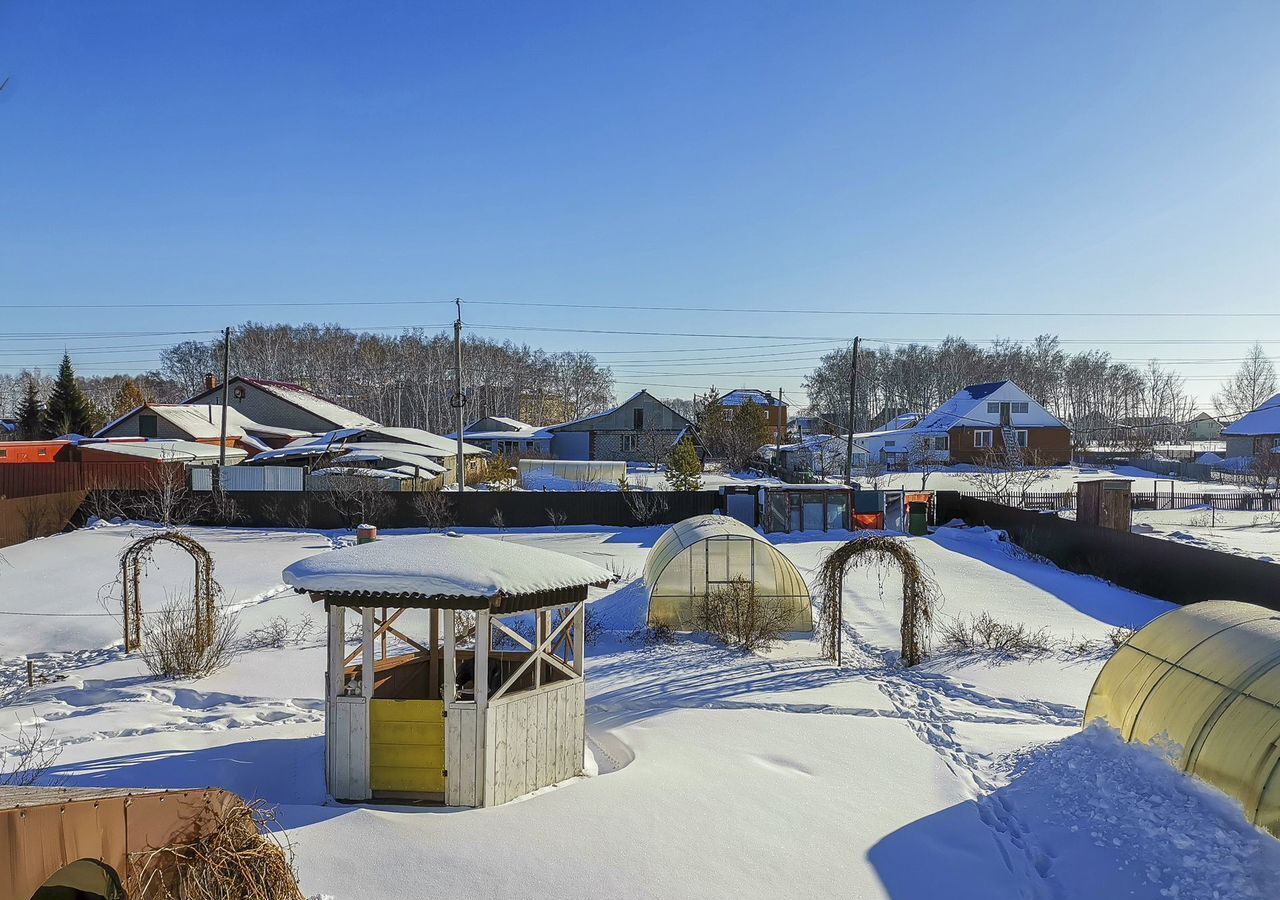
<point>440,445</point>
<point>444,565</point>
<point>298,396</point>
<point>965,408</point>
<point>742,395</point>
<point>899,423</point>
<point>205,421</point>
<point>166,450</point>
<point>528,433</point>
<point>607,412</point>
<point>1263,420</point>
<point>401,454</point>
<point>403,440</point>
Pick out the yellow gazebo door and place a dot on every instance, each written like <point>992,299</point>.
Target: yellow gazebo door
<point>406,746</point>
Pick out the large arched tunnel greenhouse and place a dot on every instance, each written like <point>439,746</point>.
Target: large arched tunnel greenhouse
<point>1205,679</point>
<point>700,554</point>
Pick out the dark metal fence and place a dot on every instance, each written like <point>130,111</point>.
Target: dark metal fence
<point>1066,500</point>
<point>1163,569</point>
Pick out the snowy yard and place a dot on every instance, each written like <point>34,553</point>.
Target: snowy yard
<point>717,773</point>
<point>1242,532</point>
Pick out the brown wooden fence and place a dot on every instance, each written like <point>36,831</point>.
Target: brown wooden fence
<point>33,479</point>
<point>26,518</point>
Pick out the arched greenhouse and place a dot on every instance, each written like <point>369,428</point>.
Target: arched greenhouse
<point>1206,679</point>
<point>698,555</point>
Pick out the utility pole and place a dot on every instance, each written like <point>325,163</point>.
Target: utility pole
<point>778,433</point>
<point>459,401</point>
<point>853,405</point>
<point>226,376</point>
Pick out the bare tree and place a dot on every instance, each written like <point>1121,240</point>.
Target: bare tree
<point>359,499</point>
<point>435,509</point>
<point>1253,384</point>
<point>924,457</point>
<point>1001,476</point>
<point>1264,467</point>
<point>30,755</point>
<point>646,506</point>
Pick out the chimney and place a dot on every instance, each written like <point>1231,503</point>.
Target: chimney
<point>210,381</point>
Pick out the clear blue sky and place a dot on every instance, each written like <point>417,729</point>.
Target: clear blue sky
<point>1039,157</point>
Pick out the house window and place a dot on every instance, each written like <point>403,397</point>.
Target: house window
<point>993,407</point>
<point>630,442</point>
<point>942,442</point>
<point>1021,408</point>
<point>42,452</point>
<point>148,426</point>
<point>1275,443</point>
<point>637,419</point>
<point>1022,437</point>
<point>890,443</point>
<point>982,439</point>
<point>3,453</point>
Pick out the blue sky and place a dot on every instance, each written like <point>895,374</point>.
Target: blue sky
<point>855,158</point>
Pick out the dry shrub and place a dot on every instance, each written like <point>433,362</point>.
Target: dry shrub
<point>556,517</point>
<point>434,508</point>
<point>237,858</point>
<point>1118,635</point>
<point>920,594</point>
<point>278,633</point>
<point>982,632</point>
<point>28,757</point>
<point>739,617</point>
<point>184,641</point>
<point>646,507</point>
<point>653,635</point>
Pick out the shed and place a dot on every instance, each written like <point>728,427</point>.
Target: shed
<point>1104,503</point>
<point>807,507</point>
<point>1205,681</point>
<point>419,725</point>
<point>702,553</point>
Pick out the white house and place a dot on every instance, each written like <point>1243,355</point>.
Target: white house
<point>1258,430</point>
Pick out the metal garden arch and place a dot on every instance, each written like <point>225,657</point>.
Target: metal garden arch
<point>132,563</point>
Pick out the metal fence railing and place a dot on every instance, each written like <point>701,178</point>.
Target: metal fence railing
<point>1066,500</point>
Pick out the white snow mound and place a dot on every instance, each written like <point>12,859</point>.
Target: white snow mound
<point>443,564</point>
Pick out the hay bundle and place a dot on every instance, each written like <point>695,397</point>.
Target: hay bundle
<point>919,593</point>
<point>234,857</point>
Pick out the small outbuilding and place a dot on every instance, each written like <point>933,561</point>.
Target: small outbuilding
<point>702,553</point>
<point>1204,680</point>
<point>484,706</point>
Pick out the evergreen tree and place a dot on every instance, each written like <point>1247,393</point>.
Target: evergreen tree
<point>30,413</point>
<point>684,469</point>
<point>68,410</point>
<point>747,432</point>
<point>128,398</point>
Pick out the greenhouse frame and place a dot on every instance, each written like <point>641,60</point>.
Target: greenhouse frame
<point>702,553</point>
<point>1204,682</point>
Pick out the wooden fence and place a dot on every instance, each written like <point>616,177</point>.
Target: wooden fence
<point>1066,500</point>
<point>40,515</point>
<point>33,479</point>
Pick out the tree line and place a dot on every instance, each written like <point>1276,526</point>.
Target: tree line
<point>1099,396</point>
<point>405,380</point>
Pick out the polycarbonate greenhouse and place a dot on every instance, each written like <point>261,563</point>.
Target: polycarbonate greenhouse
<point>702,553</point>
<point>1208,677</point>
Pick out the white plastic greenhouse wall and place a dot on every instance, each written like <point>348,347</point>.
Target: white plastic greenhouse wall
<point>589,471</point>
<point>702,553</point>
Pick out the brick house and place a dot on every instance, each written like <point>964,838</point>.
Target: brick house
<point>775,411</point>
<point>640,429</point>
<point>995,418</point>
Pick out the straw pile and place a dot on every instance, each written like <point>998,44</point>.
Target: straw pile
<point>236,857</point>
<point>919,593</point>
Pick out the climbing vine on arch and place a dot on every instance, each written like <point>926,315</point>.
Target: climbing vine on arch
<point>919,593</point>
<point>133,563</point>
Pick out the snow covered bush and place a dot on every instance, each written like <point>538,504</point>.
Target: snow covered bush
<point>653,635</point>
<point>981,632</point>
<point>739,617</point>
<point>178,643</point>
<point>278,633</point>
<point>27,758</point>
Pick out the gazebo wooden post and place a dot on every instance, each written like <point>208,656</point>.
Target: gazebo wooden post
<point>448,690</point>
<point>484,634</point>
<point>333,687</point>
<point>366,661</point>
<point>433,658</point>
<point>579,636</point>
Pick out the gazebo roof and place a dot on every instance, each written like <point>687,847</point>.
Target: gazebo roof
<point>447,570</point>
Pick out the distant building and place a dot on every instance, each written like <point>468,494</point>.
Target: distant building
<point>8,429</point>
<point>639,429</point>
<point>995,417</point>
<point>280,404</point>
<point>1256,432</point>
<point>202,424</point>
<point>510,437</point>
<point>394,452</point>
<point>1204,427</point>
<point>775,411</point>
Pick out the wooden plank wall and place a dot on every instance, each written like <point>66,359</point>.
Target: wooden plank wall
<point>463,761</point>
<point>534,739</point>
<point>349,749</point>
<point>25,518</point>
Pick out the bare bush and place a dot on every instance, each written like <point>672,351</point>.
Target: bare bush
<point>358,499</point>
<point>236,857</point>
<point>646,506</point>
<point>593,626</point>
<point>556,518</point>
<point>279,633</point>
<point>1118,635</point>
<point>434,508</point>
<point>27,758</point>
<point>498,520</point>
<point>739,617</point>
<point>653,635</point>
<point>982,632</point>
<point>181,641</point>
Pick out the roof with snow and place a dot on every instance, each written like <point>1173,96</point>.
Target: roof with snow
<point>300,397</point>
<point>1263,420</point>
<point>204,421</point>
<point>749,395</point>
<point>611,411</point>
<point>467,571</point>
<point>968,407</point>
<point>164,450</point>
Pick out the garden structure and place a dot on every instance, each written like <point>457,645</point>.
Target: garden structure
<point>700,554</point>
<point>1204,681</point>
<point>485,700</point>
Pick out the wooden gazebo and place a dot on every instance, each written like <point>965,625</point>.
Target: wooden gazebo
<point>418,724</point>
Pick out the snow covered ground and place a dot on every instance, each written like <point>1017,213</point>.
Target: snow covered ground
<point>1244,533</point>
<point>719,774</point>
<point>1056,480</point>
